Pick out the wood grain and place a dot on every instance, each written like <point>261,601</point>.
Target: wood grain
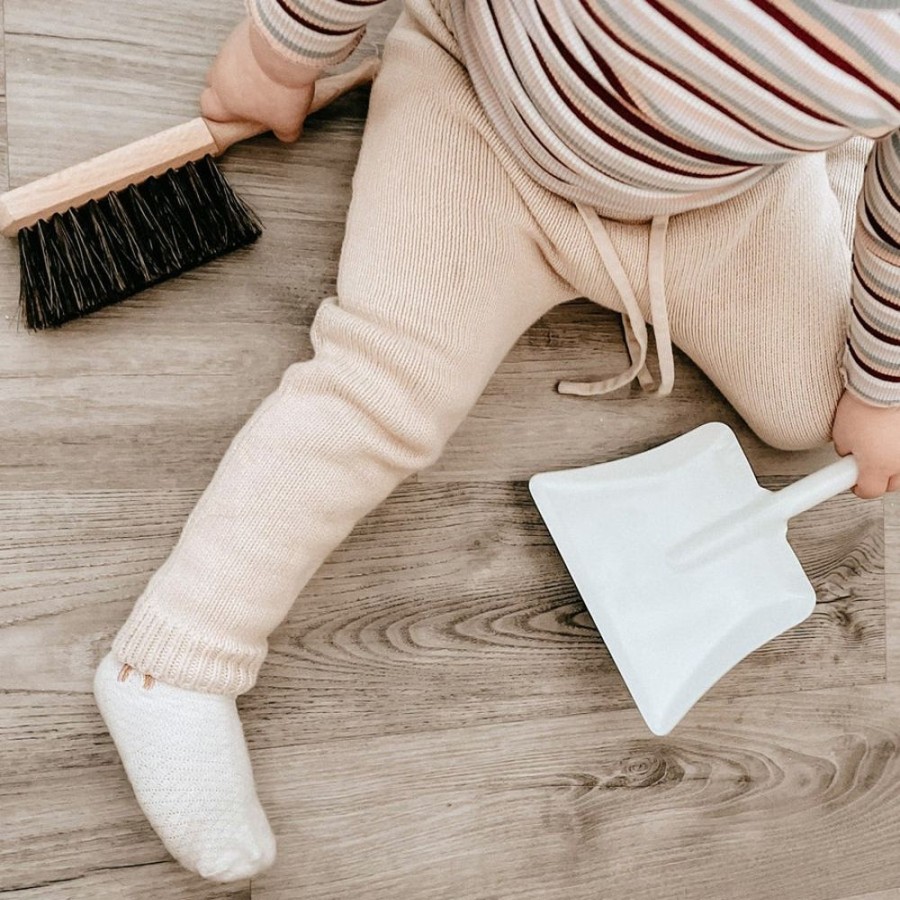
<point>892,584</point>
<point>783,796</point>
<point>890,894</point>
<point>72,828</point>
<point>445,603</point>
<point>438,718</point>
<point>150,374</point>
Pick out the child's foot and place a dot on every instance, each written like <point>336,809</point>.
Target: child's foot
<point>185,755</point>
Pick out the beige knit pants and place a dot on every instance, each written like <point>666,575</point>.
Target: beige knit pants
<point>451,253</point>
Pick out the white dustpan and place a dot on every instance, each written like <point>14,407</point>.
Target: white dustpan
<point>682,560</point>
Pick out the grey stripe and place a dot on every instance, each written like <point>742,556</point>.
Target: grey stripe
<point>300,50</point>
<point>314,12</point>
<point>564,122</point>
<point>692,77</point>
<point>769,65</point>
<point>878,63</point>
<point>888,290</point>
<point>889,365</point>
<point>871,4</point>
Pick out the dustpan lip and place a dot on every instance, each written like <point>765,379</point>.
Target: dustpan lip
<point>686,445</point>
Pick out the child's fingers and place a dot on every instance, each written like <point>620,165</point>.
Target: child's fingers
<point>213,108</point>
<point>894,483</point>
<point>288,136</point>
<point>871,485</point>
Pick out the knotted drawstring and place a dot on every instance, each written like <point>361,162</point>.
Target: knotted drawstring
<point>632,318</point>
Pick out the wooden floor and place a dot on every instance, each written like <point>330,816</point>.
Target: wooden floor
<point>437,717</point>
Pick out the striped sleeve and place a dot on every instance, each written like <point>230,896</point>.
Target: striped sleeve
<point>872,358</point>
<point>313,32</point>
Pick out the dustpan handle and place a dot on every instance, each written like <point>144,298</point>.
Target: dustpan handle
<point>814,489</point>
<point>770,508</point>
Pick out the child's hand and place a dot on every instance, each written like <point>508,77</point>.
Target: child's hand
<point>251,82</point>
<point>872,435</point>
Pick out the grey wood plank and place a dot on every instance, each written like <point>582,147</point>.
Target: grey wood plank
<point>889,894</point>
<point>442,607</point>
<point>71,826</point>
<point>892,584</point>
<point>102,397</point>
<point>788,796</point>
<point>757,797</point>
<point>301,245</point>
<point>461,612</point>
<point>106,80</point>
<point>4,147</point>
<point>4,143</point>
<point>82,83</point>
<point>133,882</point>
<point>196,30</point>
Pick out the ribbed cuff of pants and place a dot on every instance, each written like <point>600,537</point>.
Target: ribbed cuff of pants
<point>194,660</point>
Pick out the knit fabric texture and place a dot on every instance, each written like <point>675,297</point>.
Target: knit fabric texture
<point>186,759</point>
<point>452,251</point>
<point>654,107</point>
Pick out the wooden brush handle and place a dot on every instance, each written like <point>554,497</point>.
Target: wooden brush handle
<point>138,161</point>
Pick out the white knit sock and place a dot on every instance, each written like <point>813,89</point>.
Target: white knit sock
<point>185,755</point>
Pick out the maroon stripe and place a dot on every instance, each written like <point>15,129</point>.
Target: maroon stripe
<point>894,379</point>
<point>720,52</point>
<point>883,300</point>
<point>879,229</point>
<point>886,338</point>
<point>607,70</point>
<point>681,82</point>
<point>546,149</point>
<point>823,50</point>
<point>625,112</point>
<point>311,25</point>
<point>883,184</point>
<point>615,142</point>
<point>551,153</point>
<point>611,76</point>
<point>537,139</point>
<point>611,140</point>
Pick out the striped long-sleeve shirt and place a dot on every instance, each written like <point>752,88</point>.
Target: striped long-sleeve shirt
<point>647,107</point>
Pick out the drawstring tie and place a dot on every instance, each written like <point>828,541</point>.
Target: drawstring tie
<point>632,318</point>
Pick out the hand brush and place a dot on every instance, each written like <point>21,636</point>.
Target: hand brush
<point>107,228</point>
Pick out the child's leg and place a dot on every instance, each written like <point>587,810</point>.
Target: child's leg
<point>759,294</point>
<point>440,272</point>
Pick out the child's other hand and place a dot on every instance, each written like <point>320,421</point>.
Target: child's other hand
<point>251,82</point>
<point>872,435</point>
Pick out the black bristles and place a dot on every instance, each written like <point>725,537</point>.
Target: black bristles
<point>97,254</point>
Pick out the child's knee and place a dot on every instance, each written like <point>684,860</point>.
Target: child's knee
<point>791,428</point>
<point>791,407</point>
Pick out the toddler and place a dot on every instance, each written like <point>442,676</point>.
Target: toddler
<point>726,170</point>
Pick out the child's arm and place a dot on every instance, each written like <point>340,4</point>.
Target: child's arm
<point>266,68</point>
<point>867,423</point>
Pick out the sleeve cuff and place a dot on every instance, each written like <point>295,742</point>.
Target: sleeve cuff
<point>872,389</point>
<point>302,40</point>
